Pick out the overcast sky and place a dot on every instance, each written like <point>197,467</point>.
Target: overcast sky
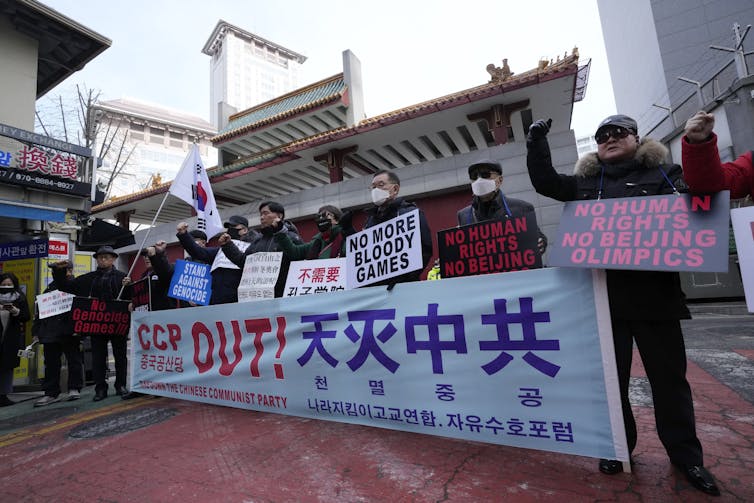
<point>410,51</point>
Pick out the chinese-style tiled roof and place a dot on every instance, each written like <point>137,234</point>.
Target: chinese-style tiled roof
<point>557,69</point>
<point>300,100</point>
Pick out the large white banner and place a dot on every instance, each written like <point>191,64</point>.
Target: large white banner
<point>522,359</point>
<point>742,220</point>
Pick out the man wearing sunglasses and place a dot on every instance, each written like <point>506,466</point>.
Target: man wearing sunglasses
<point>645,306</point>
<point>489,202</point>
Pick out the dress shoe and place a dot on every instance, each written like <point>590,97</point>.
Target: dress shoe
<point>611,466</point>
<point>131,395</point>
<point>120,390</point>
<point>700,478</point>
<point>100,395</point>
<point>5,401</point>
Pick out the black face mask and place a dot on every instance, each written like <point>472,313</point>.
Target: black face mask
<point>7,289</point>
<point>234,233</point>
<point>323,224</point>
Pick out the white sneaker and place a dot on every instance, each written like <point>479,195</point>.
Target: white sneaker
<point>46,400</point>
<point>74,394</point>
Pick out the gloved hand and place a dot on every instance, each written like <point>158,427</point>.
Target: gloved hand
<point>539,129</point>
<point>346,224</point>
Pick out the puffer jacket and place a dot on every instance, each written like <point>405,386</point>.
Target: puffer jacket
<point>634,295</point>
<point>705,173</point>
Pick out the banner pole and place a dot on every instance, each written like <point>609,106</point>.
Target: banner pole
<point>143,241</point>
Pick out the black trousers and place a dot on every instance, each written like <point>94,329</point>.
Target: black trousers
<point>71,348</point>
<point>663,353</point>
<point>99,360</point>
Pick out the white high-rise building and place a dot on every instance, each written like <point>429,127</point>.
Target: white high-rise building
<point>246,70</point>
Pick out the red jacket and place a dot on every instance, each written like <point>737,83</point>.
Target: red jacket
<point>703,171</point>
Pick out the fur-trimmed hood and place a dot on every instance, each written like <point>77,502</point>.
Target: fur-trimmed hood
<point>650,154</point>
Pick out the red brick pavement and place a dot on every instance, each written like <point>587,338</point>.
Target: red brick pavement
<point>209,453</point>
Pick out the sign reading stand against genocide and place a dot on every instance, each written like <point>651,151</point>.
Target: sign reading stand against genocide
<point>489,247</point>
<point>677,232</point>
<point>384,251</point>
<point>191,282</point>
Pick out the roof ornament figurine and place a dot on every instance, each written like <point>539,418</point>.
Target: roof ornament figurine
<point>499,74</point>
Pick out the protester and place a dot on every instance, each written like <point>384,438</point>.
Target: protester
<point>14,312</point>
<point>329,242</point>
<point>159,284</point>
<point>702,168</point>
<point>489,202</point>
<point>57,336</point>
<point>434,273</point>
<point>387,205</point>
<point>225,280</point>
<point>104,283</point>
<point>238,228</point>
<point>645,306</point>
<point>272,220</point>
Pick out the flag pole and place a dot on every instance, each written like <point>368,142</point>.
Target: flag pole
<point>143,241</point>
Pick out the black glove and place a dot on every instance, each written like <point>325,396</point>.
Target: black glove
<point>539,129</point>
<point>345,223</point>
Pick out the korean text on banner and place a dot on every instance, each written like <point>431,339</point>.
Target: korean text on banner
<point>743,229</point>
<point>522,359</point>
<point>306,277</point>
<point>192,185</point>
<point>682,232</point>
<point>384,251</point>
<point>490,246</point>
<point>260,273</point>
<point>53,303</point>
<point>191,282</point>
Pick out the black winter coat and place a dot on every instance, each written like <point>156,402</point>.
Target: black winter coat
<point>54,328</point>
<point>634,295</point>
<point>480,211</point>
<point>103,284</point>
<point>13,336</point>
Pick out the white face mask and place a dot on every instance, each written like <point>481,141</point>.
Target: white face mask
<point>483,186</point>
<point>379,196</point>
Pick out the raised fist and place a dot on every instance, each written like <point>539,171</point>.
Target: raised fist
<point>224,238</point>
<point>539,129</point>
<point>182,228</point>
<point>699,127</point>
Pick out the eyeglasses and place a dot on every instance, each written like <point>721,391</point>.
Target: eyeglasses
<point>617,132</point>
<point>485,173</point>
<point>381,184</point>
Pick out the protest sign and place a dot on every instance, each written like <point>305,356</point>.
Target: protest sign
<point>522,359</point>
<point>260,273</point>
<point>53,303</point>
<point>100,317</point>
<point>680,232</point>
<point>384,251</point>
<point>743,229</point>
<point>306,277</point>
<point>223,262</point>
<point>191,282</point>
<point>489,247</point>
<point>141,295</point>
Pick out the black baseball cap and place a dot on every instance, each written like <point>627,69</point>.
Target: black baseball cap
<point>618,121</point>
<point>236,220</point>
<point>486,165</point>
